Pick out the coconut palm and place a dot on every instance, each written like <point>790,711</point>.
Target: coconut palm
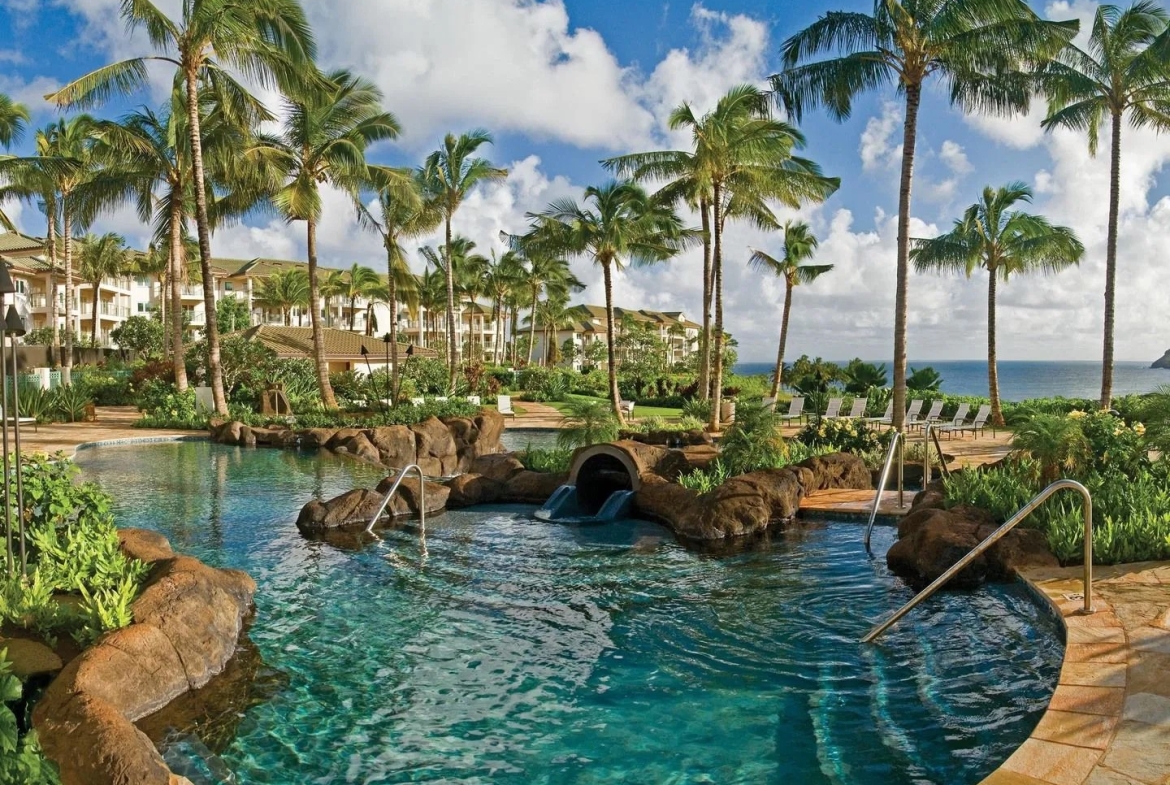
<point>1004,242</point>
<point>284,290</point>
<point>448,176</point>
<point>745,158</point>
<point>977,48</point>
<point>358,283</point>
<point>333,285</point>
<point>505,274</point>
<point>432,297</point>
<point>401,214</point>
<point>799,246</point>
<point>1125,74</point>
<point>323,139</point>
<point>13,118</point>
<point>462,255</point>
<point>616,224</point>
<point>269,40</point>
<point>98,258</point>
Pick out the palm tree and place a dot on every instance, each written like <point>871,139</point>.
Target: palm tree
<point>402,214</point>
<point>504,276</point>
<point>359,281</point>
<point>1124,73</point>
<point>13,118</point>
<point>1004,242</point>
<point>283,291</point>
<point>334,285</point>
<point>461,252</point>
<point>99,258</point>
<point>432,297</point>
<point>449,175</point>
<point>799,245</point>
<point>472,281</point>
<point>745,158</point>
<point>616,223</point>
<point>545,272</point>
<point>323,139</point>
<point>977,48</point>
<point>269,40</point>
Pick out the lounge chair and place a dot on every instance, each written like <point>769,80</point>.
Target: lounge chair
<point>959,419</point>
<point>931,416</point>
<point>833,410</point>
<point>417,401</point>
<point>857,410</point>
<point>976,426</point>
<point>885,419</point>
<point>441,399</point>
<point>504,405</point>
<point>913,412</point>
<point>474,400</point>
<point>627,408</point>
<point>23,420</point>
<point>768,403</point>
<point>795,410</point>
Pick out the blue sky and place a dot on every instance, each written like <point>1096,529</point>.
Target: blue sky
<point>565,83</point>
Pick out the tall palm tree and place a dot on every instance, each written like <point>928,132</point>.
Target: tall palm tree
<point>799,246</point>
<point>977,48</point>
<point>334,285</point>
<point>359,282</point>
<point>743,159</point>
<point>269,40</point>
<point>284,290</point>
<point>1125,74</point>
<point>504,276</point>
<point>1003,241</point>
<point>462,255</point>
<point>401,214</point>
<point>472,282</point>
<point>323,139</point>
<point>449,175</point>
<point>98,258</point>
<point>13,118</point>
<point>432,297</point>
<point>546,272</point>
<point>616,223</point>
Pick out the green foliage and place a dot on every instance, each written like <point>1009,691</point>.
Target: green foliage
<point>753,441</point>
<point>541,383</point>
<point>549,461</point>
<point>1155,413</point>
<point>69,402</point>
<point>706,480</point>
<point>853,436</point>
<point>232,315</point>
<point>105,609</point>
<point>697,410</point>
<point>588,422</point>
<point>924,380</point>
<point>860,377</point>
<point>405,414</point>
<point>103,386</point>
<point>142,334</point>
<point>429,376</point>
<point>21,760</point>
<point>35,401</point>
<point>1056,443</point>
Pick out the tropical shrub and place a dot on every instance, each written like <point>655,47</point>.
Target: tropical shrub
<point>70,402</point>
<point>102,386</point>
<point>924,379</point>
<point>753,441</point>
<point>428,375</point>
<point>1057,444</point>
<point>587,422</point>
<point>21,760</point>
<point>141,334</point>
<point>163,406</point>
<point>860,377</point>
<point>549,461</point>
<point>845,435</point>
<point>705,480</point>
<point>697,410</point>
<point>36,401</point>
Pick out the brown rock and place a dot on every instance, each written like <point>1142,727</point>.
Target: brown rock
<point>316,438</point>
<point>144,545</point>
<point>395,445</point>
<point>93,744</point>
<point>357,446</point>
<point>406,500</point>
<point>664,501</point>
<point>744,505</point>
<point>500,467</point>
<point>247,437</point>
<point>341,436</point>
<point>228,433</point>
<point>653,459</point>
<point>351,508</point>
<point>268,436</point>
<point>490,424</point>
<point>837,470</point>
<point>434,446</point>
<point>700,456</point>
<point>532,487</point>
<point>468,490</point>
<point>286,439</point>
<point>30,658</point>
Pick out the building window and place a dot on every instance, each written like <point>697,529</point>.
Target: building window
<point>141,280</point>
<point>21,286</point>
<point>227,286</point>
<point>141,307</point>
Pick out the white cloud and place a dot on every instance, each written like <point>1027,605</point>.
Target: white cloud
<point>1018,131</point>
<point>876,149</point>
<point>953,156</point>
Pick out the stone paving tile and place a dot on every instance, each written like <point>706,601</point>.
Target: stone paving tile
<point>1104,776</point>
<point>1095,652</point>
<point>1140,751</point>
<point>1150,639</point>
<point>1098,619</point>
<point>1002,776</point>
<point>1079,730</point>
<point>1093,674</point>
<point>1059,764</point>
<point>1149,672</point>
<point>1079,633</point>
<point>1088,700</point>
<point>1148,708</point>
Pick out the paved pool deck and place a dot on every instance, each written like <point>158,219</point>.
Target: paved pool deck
<point>113,422</point>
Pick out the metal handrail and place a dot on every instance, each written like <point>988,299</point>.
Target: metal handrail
<point>994,537</point>
<point>895,444</point>
<point>422,498</point>
<point>929,434</point>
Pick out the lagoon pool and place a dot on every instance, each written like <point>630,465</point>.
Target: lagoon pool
<point>514,651</point>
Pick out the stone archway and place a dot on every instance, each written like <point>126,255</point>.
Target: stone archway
<point>599,472</point>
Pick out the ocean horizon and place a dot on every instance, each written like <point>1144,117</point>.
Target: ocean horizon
<point>1023,379</point>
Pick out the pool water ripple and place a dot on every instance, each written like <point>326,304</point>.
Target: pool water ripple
<point>515,651</point>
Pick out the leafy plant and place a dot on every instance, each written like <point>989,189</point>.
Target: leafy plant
<point>860,376</point>
<point>105,609</point>
<point>924,380</point>
<point>35,401</point>
<point>588,422</point>
<point>21,760</point>
<point>846,435</point>
<point>69,402</point>
<point>754,441</point>
<point>549,461</point>
<point>705,480</point>
<point>1057,443</point>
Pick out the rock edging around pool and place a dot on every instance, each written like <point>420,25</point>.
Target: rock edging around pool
<point>441,447</point>
<point>187,623</point>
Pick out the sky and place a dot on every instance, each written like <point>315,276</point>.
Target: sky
<point>562,84</point>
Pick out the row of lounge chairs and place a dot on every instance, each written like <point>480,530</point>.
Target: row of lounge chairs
<point>914,418</point>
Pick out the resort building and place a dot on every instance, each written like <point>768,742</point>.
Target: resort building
<point>344,351</point>
<point>585,325</point>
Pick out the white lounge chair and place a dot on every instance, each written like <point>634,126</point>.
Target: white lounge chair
<point>627,408</point>
<point>19,420</point>
<point>976,426</point>
<point>474,400</point>
<point>440,399</point>
<point>795,410</point>
<point>504,405</point>
<point>885,419</point>
<point>913,412</point>
<point>932,416</point>
<point>768,403</point>
<point>417,401</point>
<point>857,410</point>
<point>833,410</point>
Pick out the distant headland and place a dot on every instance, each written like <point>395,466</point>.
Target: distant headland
<point>1164,362</point>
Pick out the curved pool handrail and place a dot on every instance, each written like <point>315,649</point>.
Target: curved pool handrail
<point>895,443</point>
<point>994,537</point>
<point>422,497</point>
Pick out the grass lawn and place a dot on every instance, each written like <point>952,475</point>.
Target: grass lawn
<point>640,412</point>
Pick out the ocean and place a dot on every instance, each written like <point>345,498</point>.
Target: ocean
<point>1023,379</point>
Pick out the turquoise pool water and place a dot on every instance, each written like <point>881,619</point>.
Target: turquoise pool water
<point>523,652</point>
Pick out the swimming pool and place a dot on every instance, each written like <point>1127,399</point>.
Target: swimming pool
<point>524,652</point>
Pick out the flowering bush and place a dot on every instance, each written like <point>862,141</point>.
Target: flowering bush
<point>1113,444</point>
<point>854,436</point>
<point>165,407</point>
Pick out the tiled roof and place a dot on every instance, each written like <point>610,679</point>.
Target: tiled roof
<point>14,241</point>
<point>584,317</point>
<point>297,343</point>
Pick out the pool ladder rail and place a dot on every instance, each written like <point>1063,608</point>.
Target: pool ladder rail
<point>897,445</point>
<point>422,503</point>
<point>993,538</point>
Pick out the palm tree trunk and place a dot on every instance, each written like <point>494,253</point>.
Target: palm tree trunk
<point>352,313</point>
<point>392,286</point>
<point>901,309</point>
<point>67,231</point>
<point>452,349</point>
<point>1111,265</point>
<point>705,336</point>
<point>717,272</point>
<point>609,336</point>
<point>51,246</point>
<point>202,226</point>
<point>783,342</point>
<point>327,397</point>
<point>93,327</point>
<point>176,263</point>
<point>992,369</point>
<point>532,324</point>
